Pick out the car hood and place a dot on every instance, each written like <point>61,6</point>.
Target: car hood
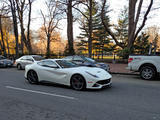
<point>101,64</point>
<point>6,60</point>
<point>101,73</point>
<point>89,64</point>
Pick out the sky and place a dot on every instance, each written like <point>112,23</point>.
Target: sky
<point>115,5</point>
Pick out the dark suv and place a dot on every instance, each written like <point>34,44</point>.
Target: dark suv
<point>4,62</point>
<point>86,61</point>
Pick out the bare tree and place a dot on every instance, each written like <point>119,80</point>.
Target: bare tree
<point>90,29</point>
<point>50,21</point>
<point>134,18</point>
<point>70,27</point>
<point>12,6</point>
<point>3,15</point>
<point>153,33</point>
<point>22,5</point>
<point>2,43</point>
<point>20,10</point>
<point>134,15</point>
<point>67,7</point>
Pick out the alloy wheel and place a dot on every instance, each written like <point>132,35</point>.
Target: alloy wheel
<point>78,82</point>
<point>32,77</point>
<point>147,73</point>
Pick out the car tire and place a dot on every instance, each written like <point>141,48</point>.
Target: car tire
<point>78,82</point>
<point>32,77</point>
<point>19,67</point>
<point>147,73</point>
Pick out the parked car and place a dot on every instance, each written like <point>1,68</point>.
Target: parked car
<point>86,61</point>
<point>4,62</point>
<point>67,73</point>
<point>27,59</point>
<point>146,65</point>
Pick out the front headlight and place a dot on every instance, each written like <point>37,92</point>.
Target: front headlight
<point>1,62</point>
<point>92,74</point>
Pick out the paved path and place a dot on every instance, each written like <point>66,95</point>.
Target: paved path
<point>120,68</point>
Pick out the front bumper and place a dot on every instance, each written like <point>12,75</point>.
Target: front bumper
<point>6,65</point>
<point>101,84</point>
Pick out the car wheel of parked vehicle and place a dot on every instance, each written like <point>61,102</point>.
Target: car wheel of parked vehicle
<point>32,77</point>
<point>19,67</point>
<point>78,82</point>
<point>147,73</point>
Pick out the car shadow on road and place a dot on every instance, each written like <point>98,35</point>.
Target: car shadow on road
<point>50,84</point>
<point>157,78</point>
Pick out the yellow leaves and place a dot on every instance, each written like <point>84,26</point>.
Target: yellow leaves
<point>57,44</point>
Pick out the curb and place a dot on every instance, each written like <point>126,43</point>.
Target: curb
<point>124,73</point>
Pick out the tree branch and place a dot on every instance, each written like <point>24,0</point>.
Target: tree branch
<point>106,26</point>
<point>144,19</point>
<point>81,13</point>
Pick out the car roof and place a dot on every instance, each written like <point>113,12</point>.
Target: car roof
<point>52,59</point>
<point>75,55</point>
<point>30,55</point>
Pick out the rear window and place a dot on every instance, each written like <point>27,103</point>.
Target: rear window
<point>38,58</point>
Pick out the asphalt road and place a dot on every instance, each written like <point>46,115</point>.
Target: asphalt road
<point>130,98</point>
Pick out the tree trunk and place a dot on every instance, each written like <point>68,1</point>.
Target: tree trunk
<point>90,30</point>
<point>7,44</point>
<point>70,28</point>
<point>1,47</point>
<point>2,37</point>
<point>14,16</point>
<point>28,27</point>
<point>132,31</point>
<point>48,45</point>
<point>24,38</point>
<point>22,47</point>
<point>131,16</point>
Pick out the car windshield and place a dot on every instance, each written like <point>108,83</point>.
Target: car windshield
<point>66,64</point>
<point>38,58</point>
<point>89,59</point>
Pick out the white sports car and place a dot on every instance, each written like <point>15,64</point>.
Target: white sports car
<point>67,73</point>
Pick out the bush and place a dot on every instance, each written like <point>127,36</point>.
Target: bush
<point>124,53</point>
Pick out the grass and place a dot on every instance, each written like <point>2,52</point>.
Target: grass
<point>107,57</point>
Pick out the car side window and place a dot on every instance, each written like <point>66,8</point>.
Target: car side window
<point>48,64</point>
<point>69,58</point>
<point>77,58</point>
<point>23,58</point>
<point>28,58</point>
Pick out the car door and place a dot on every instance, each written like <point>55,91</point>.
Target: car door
<point>23,61</point>
<point>29,60</point>
<point>49,71</point>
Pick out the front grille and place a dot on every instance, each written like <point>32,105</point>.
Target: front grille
<point>102,82</point>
